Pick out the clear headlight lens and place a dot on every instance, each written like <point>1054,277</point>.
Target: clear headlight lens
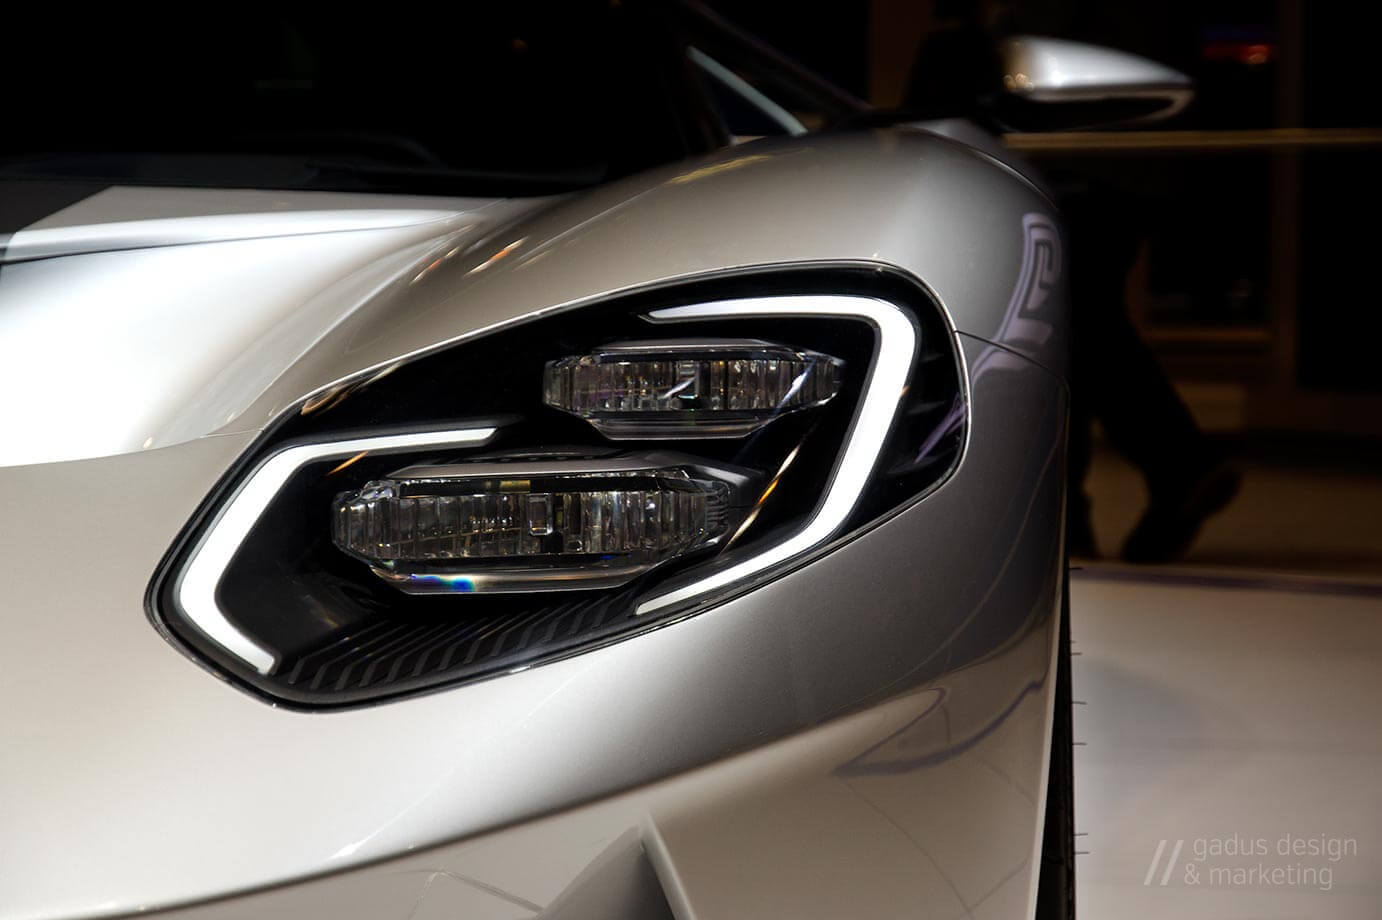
<point>486,527</point>
<point>708,389</point>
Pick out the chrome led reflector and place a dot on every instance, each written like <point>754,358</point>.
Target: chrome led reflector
<point>510,527</point>
<point>697,388</point>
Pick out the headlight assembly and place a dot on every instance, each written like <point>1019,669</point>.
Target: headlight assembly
<point>562,483</point>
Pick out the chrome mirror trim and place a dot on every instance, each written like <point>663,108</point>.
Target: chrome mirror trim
<point>1044,69</point>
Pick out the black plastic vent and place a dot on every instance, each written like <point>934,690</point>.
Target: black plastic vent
<point>394,655</point>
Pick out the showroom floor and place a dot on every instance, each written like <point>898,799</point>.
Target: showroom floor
<point>1228,746</point>
<point>1228,739</point>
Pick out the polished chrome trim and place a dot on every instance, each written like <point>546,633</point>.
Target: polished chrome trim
<point>1056,70</point>
<point>196,587</point>
<point>896,346</point>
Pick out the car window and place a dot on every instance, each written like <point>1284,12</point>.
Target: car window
<point>466,98</point>
<point>745,111</point>
<point>756,88</point>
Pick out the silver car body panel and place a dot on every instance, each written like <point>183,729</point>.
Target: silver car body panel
<point>170,326</point>
<point>127,204</point>
<point>250,326</point>
<point>132,778</point>
<point>912,804</point>
<point>1054,70</point>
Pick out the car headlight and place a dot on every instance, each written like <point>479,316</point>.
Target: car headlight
<point>548,524</point>
<point>563,482</point>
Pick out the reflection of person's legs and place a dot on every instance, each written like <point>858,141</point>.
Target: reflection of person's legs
<point>1116,379</point>
<point>1140,411</point>
<point>1100,256</point>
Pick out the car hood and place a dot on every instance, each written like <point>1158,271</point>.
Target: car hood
<point>135,318</point>
<point>138,318</point>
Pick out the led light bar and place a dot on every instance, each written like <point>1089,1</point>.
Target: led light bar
<point>504,527</point>
<point>698,388</point>
<point>884,388</point>
<point>197,585</point>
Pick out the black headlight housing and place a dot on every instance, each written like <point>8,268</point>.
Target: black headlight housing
<point>331,632</point>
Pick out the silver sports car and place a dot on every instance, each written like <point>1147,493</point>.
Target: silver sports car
<point>450,470</point>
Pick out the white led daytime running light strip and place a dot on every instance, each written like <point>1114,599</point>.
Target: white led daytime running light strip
<point>897,344</point>
<point>196,588</point>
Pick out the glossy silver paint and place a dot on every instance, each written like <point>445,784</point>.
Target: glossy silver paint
<point>910,808</point>
<point>165,329</point>
<point>1057,70</point>
<point>131,778</point>
<point>250,326</point>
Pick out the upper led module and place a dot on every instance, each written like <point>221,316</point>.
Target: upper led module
<point>723,388</point>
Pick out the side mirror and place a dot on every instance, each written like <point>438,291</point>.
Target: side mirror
<point>1052,84</point>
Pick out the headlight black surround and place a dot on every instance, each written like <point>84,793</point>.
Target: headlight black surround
<point>341,637</point>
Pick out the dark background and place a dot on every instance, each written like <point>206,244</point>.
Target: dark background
<point>1254,279</point>
<point>1213,263</point>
